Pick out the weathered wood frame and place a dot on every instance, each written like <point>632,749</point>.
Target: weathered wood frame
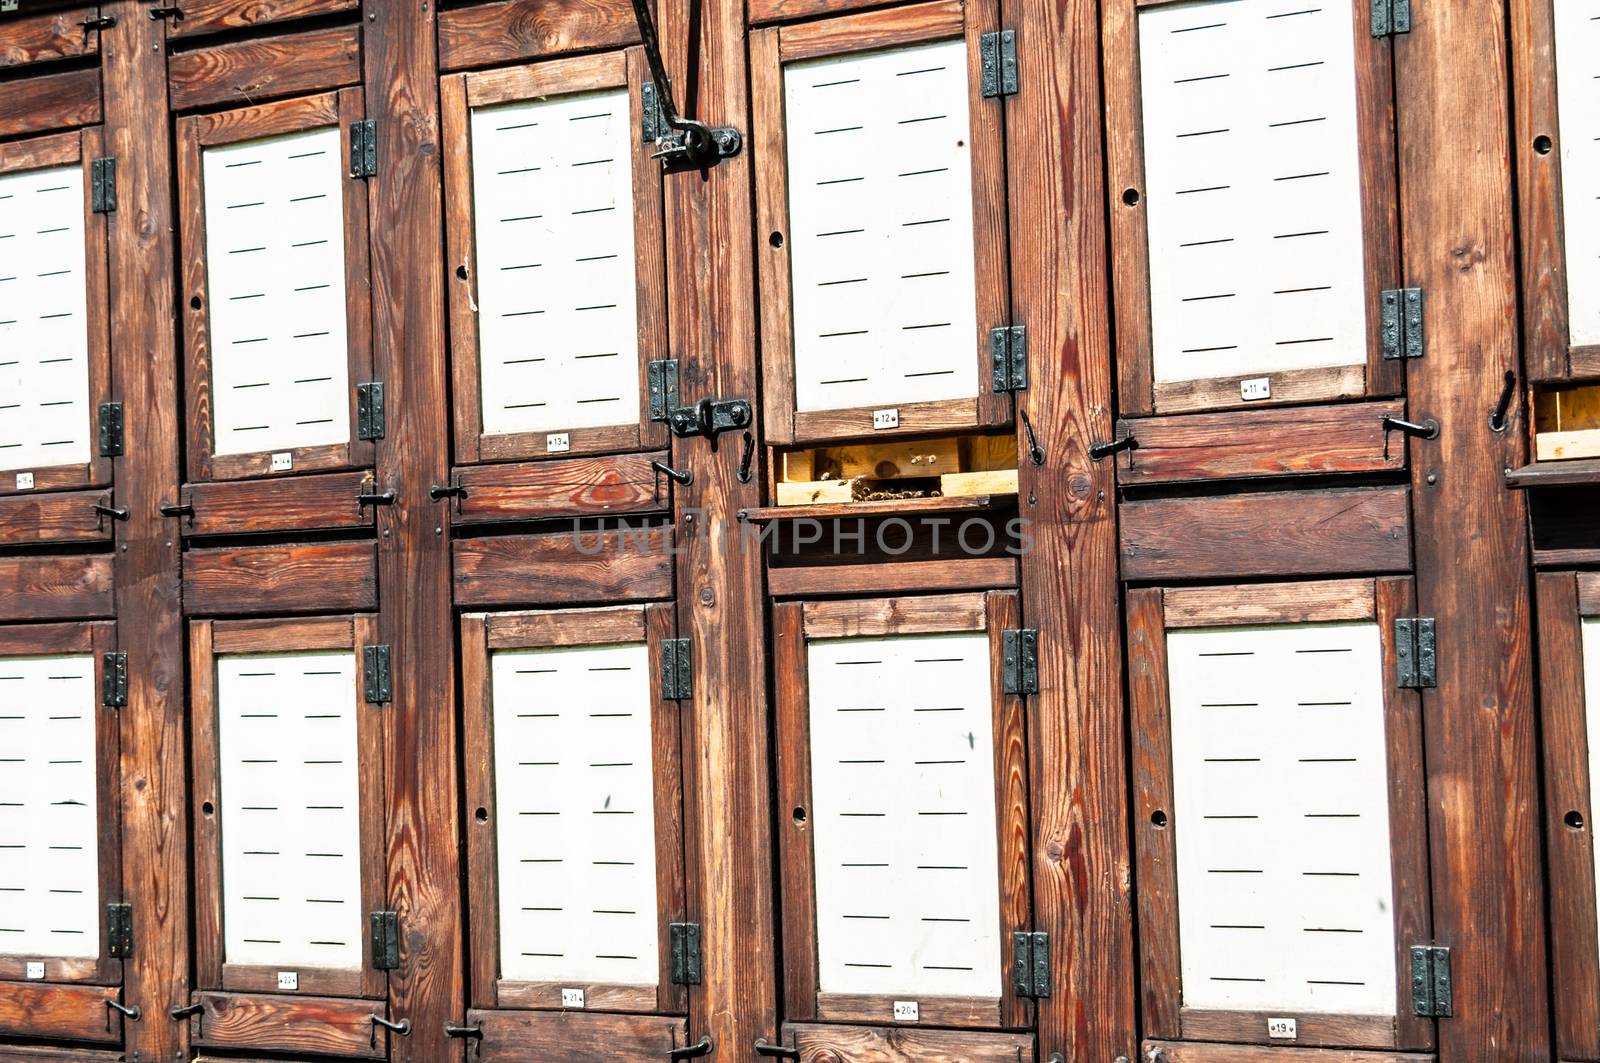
<point>194,133</point>
<point>770,49</point>
<point>1152,612</point>
<point>460,93</point>
<point>1140,393</point>
<point>81,146</point>
<point>794,624</point>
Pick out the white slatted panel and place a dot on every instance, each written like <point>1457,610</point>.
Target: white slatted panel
<point>1591,669</point>
<point>1281,797</point>
<point>44,332</point>
<point>902,789</point>
<point>275,256</point>
<point>1578,94</point>
<point>575,796</point>
<point>880,227</point>
<point>49,844</point>
<point>291,813</point>
<point>1252,175</point>
<point>558,333</point>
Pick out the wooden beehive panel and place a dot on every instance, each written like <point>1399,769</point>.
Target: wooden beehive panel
<point>1591,671</point>
<point>1577,33</point>
<point>557,295</point>
<point>574,788</point>
<point>1281,801</point>
<point>881,227</point>
<point>290,809</point>
<point>1253,189</point>
<point>44,332</point>
<point>275,254</point>
<point>49,840</point>
<point>903,785</point>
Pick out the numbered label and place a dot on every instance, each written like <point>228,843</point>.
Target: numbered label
<point>24,481</point>
<point>288,979</point>
<point>572,998</point>
<point>885,419</point>
<point>557,442</point>
<point>1255,388</point>
<point>1283,1029</point>
<point>905,1011</point>
<point>35,969</point>
<point>282,462</point>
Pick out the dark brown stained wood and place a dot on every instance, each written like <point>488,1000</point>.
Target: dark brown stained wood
<point>59,1012</point>
<point>249,71</point>
<point>895,616</point>
<point>765,11</point>
<point>54,518</point>
<point>321,577</point>
<point>908,507</point>
<point>305,503</point>
<point>1472,551</point>
<point>55,588</point>
<point>952,574</point>
<point>1261,443</point>
<point>50,101</point>
<point>45,36</point>
<point>1313,602</point>
<point>797,882</point>
<point>1161,979</point>
<point>1292,533</point>
<point>1555,473</point>
<point>209,16</point>
<point>1543,251</point>
<point>21,1054</point>
<point>1310,1030</point>
<point>1178,1052</point>
<point>575,1037</point>
<point>537,490</point>
<point>1589,593</point>
<point>570,568</point>
<point>289,1024</point>
<point>935,1011</point>
<point>854,1044</point>
<point>1012,828</point>
<point>524,29</point>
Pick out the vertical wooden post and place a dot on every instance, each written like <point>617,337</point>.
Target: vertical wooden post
<point>1471,550</point>
<point>1081,859</point>
<point>155,836</point>
<point>712,314</point>
<point>400,64</point>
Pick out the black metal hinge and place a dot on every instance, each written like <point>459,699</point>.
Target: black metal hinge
<point>1008,358</point>
<point>663,383</point>
<point>677,670</point>
<point>371,417</point>
<point>1415,653</point>
<point>1030,963</point>
<point>378,685</point>
<point>110,430</point>
<point>1430,982</point>
<point>119,930</point>
<point>364,148</point>
<point>1401,317</point>
<point>114,680</point>
<point>998,52</point>
<point>1390,17</point>
<point>1020,647</point>
<point>103,185</point>
<point>652,117</point>
<point>683,942</point>
<point>385,941</point>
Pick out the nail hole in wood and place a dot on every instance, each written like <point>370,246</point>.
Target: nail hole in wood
<point>1159,818</point>
<point>1130,196</point>
<point>1573,819</point>
<point>1542,145</point>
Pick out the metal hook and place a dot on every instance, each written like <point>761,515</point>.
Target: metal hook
<point>775,1051</point>
<point>1497,419</point>
<point>401,1028</point>
<point>685,478</point>
<point>378,498</point>
<point>1035,451</point>
<point>179,1014</point>
<point>749,455</point>
<point>695,145</point>
<point>694,1051</point>
<point>1428,429</point>
<point>131,1014</point>
<point>474,1032</point>
<point>114,512</point>
<point>1101,451</point>
<point>176,509</point>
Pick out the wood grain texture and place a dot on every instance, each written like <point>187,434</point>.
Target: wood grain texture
<point>762,12</point>
<point>1589,593</point>
<point>574,1036</point>
<point>55,588</point>
<point>320,577</point>
<point>1313,602</point>
<point>1287,534</point>
<point>853,1044</point>
<point>23,1054</point>
<point>322,502</point>
<point>54,518</point>
<point>895,616</point>
<point>210,16</point>
<point>538,490</point>
<point>45,36</point>
<point>289,1024</point>
<point>1262,443</point>
<point>950,574</point>
<point>248,71</point>
<point>565,569</point>
<point>59,1012</point>
<point>1555,473</point>
<point>1311,1030</point>
<point>50,101</point>
<point>563,627</point>
<point>1178,1052</point>
<point>525,29</point>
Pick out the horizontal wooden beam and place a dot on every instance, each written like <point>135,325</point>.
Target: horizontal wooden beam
<point>69,1012</point>
<point>574,1037</point>
<point>247,72</point>
<point>525,29</point>
<point>865,1044</point>
<point>542,490</point>
<point>55,588</point>
<point>209,16</point>
<point>1188,1052</point>
<point>313,577</point>
<point>289,1024</point>
<point>565,568</point>
<point>898,577</point>
<point>46,36</point>
<point>50,101</point>
<point>302,503</point>
<point>55,517</point>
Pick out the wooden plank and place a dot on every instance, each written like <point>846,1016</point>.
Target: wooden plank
<point>322,577</point>
<point>60,1012</point>
<point>855,1044</point>
<point>1155,846</point>
<point>55,517</point>
<point>539,490</point>
<point>1271,603</point>
<point>250,71</point>
<point>210,16</point>
<point>896,577</point>
<point>526,29</point>
<point>22,1054</point>
<point>766,11</point>
<point>325,501</point>
<point>50,101</point>
<point>1555,473</point>
<point>1261,443</point>
<point>55,588</point>
<point>45,36</point>
<point>574,1037</point>
<point>575,568</point>
<point>1589,593</point>
<point>894,616</point>
<point>562,627</point>
<point>1292,533</point>
<point>289,1024</point>
<point>1179,1052</point>
<point>907,507</point>
<point>1543,252</point>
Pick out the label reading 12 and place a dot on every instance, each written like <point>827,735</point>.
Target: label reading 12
<point>1282,1028</point>
<point>885,419</point>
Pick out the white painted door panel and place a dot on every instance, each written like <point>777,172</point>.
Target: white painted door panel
<point>44,331</point>
<point>903,793</point>
<point>1252,186</point>
<point>557,290</point>
<point>1281,807</point>
<point>291,810</point>
<point>1591,671</point>
<point>49,841</point>
<point>275,259</point>
<point>880,227</point>
<point>574,792</point>
<point>1577,24</point>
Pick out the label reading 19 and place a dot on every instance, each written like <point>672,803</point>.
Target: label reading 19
<point>885,419</point>
<point>1282,1028</point>
<point>905,1011</point>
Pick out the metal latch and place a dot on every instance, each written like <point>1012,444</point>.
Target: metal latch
<point>385,941</point>
<point>677,670</point>
<point>681,142</point>
<point>710,418</point>
<point>364,148</point>
<point>114,680</point>
<point>110,430</point>
<point>119,930</point>
<point>1008,358</point>
<point>378,683</point>
<point>1430,982</point>
<point>652,120</point>
<point>1390,17</point>
<point>997,52</point>
<point>1401,323</point>
<point>683,942</point>
<point>371,417</point>
<point>1030,963</point>
<point>662,376</point>
<point>103,185</point>
<point>1415,653</point>
<point>1020,665</point>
